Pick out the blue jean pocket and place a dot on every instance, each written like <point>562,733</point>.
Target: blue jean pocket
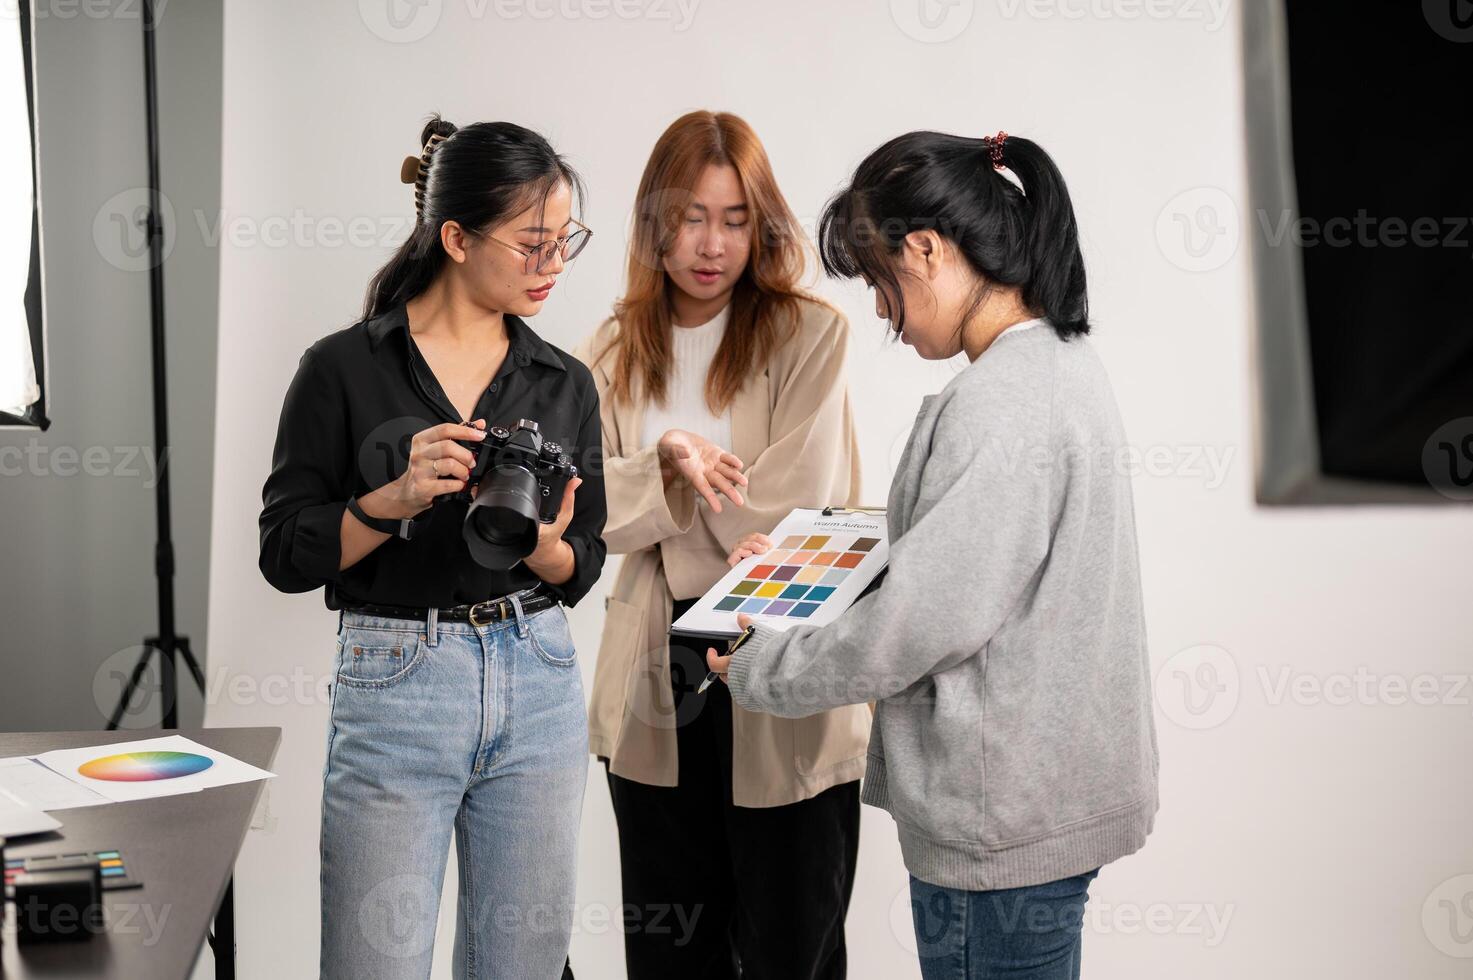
<point>374,658</point>
<point>552,638</point>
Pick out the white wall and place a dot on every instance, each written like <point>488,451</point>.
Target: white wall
<point>1316,832</point>
<point>77,592</point>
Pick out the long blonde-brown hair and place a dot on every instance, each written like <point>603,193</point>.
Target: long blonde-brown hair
<point>765,300</point>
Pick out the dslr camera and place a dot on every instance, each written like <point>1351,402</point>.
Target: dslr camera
<point>521,480</point>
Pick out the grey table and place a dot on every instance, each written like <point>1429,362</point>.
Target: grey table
<point>182,848</point>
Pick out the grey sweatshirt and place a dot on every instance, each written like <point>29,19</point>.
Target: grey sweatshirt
<point>1013,737</point>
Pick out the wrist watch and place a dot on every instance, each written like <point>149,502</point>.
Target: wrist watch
<point>401,528</point>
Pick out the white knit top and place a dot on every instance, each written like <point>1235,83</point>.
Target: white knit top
<point>685,405</point>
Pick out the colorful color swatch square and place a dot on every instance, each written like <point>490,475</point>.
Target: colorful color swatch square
<point>784,573</point>
<point>754,605</point>
<point>848,559</point>
<point>794,592</point>
<point>809,574</point>
<point>824,558</point>
<point>820,592</point>
<point>816,541</point>
<point>792,541</point>
<point>864,544</point>
<point>762,571</point>
<point>746,587</point>
<point>778,608</point>
<point>730,604</point>
<point>769,590</point>
<point>804,609</point>
<point>834,576</point>
<point>777,557</point>
<point>801,557</point>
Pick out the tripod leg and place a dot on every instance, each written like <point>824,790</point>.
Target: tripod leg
<point>192,663</point>
<point>177,646</point>
<point>133,679</point>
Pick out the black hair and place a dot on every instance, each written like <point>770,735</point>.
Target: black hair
<point>928,180</point>
<point>478,176</point>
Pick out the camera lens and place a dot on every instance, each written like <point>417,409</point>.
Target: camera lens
<point>500,526</point>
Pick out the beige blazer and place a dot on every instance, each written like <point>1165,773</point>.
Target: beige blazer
<point>793,427</point>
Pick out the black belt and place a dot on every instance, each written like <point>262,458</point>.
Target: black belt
<point>477,614</point>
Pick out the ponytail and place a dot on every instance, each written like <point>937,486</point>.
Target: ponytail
<point>1021,234</point>
<point>1051,239</point>
<point>414,266</point>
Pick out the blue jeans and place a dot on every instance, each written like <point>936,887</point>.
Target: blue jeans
<point>1030,933</point>
<point>447,725</point>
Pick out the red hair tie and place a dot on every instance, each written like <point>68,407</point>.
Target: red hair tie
<point>994,146</point>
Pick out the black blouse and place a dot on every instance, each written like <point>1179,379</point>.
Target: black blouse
<point>358,397</point>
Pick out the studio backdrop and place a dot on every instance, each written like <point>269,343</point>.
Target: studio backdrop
<point>1144,113</point>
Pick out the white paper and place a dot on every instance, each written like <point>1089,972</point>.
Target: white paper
<point>41,789</point>
<point>17,819</point>
<point>218,769</point>
<point>842,528</point>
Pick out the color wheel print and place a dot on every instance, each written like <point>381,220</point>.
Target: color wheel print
<point>143,767</point>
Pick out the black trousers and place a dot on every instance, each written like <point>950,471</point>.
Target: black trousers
<point>714,890</point>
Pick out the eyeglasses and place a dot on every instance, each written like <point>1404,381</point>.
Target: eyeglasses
<point>541,255</point>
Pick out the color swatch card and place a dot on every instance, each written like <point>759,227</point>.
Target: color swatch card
<point>149,768</point>
<point>115,876</point>
<point>817,567</point>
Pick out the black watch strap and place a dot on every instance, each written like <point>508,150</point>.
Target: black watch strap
<point>402,528</point>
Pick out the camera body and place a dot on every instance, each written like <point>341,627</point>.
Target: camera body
<point>520,480</point>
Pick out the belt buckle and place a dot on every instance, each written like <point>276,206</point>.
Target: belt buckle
<point>498,605</point>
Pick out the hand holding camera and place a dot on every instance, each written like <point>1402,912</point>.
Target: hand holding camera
<point>523,494</point>
<point>439,464</point>
<point>548,535</point>
<point>519,488</point>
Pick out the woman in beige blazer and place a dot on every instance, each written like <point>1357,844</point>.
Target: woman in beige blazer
<point>724,406</point>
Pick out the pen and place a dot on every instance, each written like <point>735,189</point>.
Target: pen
<point>711,676</point>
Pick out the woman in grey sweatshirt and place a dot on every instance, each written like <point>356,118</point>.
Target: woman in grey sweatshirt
<point>1013,739</point>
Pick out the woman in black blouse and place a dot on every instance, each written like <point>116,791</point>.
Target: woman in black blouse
<point>457,700</point>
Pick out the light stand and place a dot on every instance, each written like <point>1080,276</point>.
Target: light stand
<point>167,644</point>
